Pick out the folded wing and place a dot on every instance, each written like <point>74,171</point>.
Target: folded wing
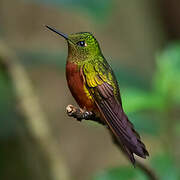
<point>104,89</point>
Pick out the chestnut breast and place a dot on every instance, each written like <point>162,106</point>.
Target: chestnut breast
<point>77,86</point>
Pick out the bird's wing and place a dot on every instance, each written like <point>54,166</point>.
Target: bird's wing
<point>102,85</point>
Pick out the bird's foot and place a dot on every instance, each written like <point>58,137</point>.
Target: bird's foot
<point>79,113</point>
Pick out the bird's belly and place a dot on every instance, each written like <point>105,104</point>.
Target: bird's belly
<point>77,87</point>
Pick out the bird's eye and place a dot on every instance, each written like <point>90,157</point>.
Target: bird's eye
<point>81,43</point>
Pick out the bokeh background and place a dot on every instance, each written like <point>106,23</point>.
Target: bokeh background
<point>140,39</point>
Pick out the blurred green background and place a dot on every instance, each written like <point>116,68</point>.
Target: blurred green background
<point>140,39</point>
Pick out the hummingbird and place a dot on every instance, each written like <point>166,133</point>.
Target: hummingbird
<point>93,85</point>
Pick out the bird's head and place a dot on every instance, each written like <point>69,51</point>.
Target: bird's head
<point>81,46</point>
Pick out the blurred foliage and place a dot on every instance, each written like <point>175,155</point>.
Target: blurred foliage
<point>167,78</point>
<point>166,167</point>
<point>29,59</point>
<point>165,84</point>
<point>121,173</point>
<point>164,164</point>
<point>7,110</point>
<point>99,10</point>
<point>164,94</point>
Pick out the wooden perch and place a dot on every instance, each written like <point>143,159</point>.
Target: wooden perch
<point>79,113</point>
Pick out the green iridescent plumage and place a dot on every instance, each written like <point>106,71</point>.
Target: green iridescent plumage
<point>85,53</point>
<point>89,73</point>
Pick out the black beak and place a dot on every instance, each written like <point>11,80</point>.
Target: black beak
<point>60,33</point>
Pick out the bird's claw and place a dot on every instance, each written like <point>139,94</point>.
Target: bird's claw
<point>70,109</point>
<point>74,112</point>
